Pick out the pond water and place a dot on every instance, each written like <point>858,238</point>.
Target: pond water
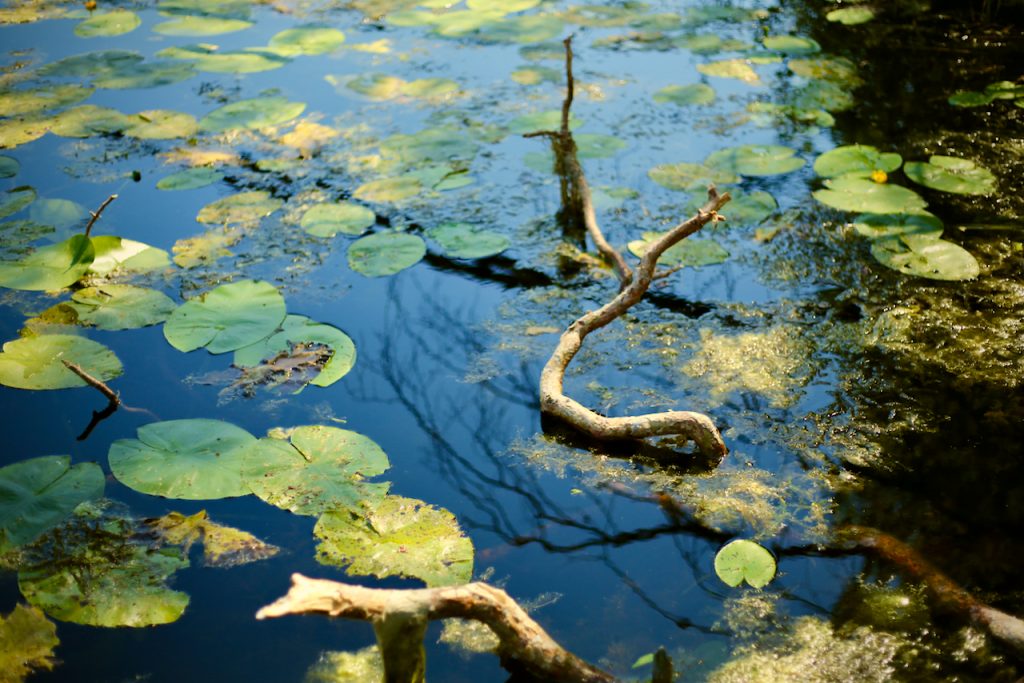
<point>859,377</point>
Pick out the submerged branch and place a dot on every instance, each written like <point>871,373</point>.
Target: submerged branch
<point>523,643</point>
<point>113,400</point>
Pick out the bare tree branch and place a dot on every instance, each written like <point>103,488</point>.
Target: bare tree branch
<point>95,215</point>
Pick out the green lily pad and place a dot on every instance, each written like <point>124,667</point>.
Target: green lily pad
<point>398,537</point>
<point>24,102</point>
<point>859,194</point>
<point>745,208</point>
<point>926,256</point>
<point>919,222</point>
<point>535,75</point>
<point>9,167</point>
<point>113,23</point>
<point>687,176</point>
<point>200,26</point>
<point>317,469</point>
<point>191,459</point>
<point>970,98</point>
<point>327,220</point>
<point>49,268</point>
<point>837,70</point>
<point>520,29</point>
<point>542,120</point>
<point>231,62</point>
<point>770,113</point>
<point>105,577</point>
<point>226,318</point>
<point>161,124</point>
<point>385,190</point>
<point>29,640</point>
<point>259,112</point>
<point>148,75</point>
<point>120,307</point>
<point>690,252</point>
<point>88,121</point>
<point>385,253</point>
<point>598,146</point>
<point>686,95</point>
<point>756,160</point>
<point>61,214</point>
<point>190,179</point>
<point>116,253</point>
<point>36,362</point>
<point>951,174</point>
<point>851,16</point>
<point>743,560</point>
<point>244,207</point>
<point>91,64</point>
<point>15,200</point>
<point>792,45</point>
<point>299,328</point>
<point>461,240</point>
<point>307,40</point>
<point>228,9</point>
<point>856,160</point>
<point>430,144</point>
<point>38,494</point>
<point>738,69</point>
<point>384,87</point>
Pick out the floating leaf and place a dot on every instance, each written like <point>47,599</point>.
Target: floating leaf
<point>745,208</point>
<point>837,70</point>
<point>8,167</point>
<point>38,494</point>
<point>690,252</point>
<point>860,194</point>
<point>951,174</point>
<point>851,16</point>
<point>161,124</point>
<point>925,256</point>
<point>534,75</point>
<point>120,307</point>
<point>785,112</point>
<point>307,40</point>
<point>14,132</point>
<point>385,253</point>
<point>327,220</point>
<point>300,329</point>
<point>542,120</point>
<point>430,144</point>
<point>243,62</point>
<point>739,69</point>
<point>398,537</point>
<point>597,146</point>
<point>226,318</point>
<point>745,560</point>
<point>148,75</point>
<point>686,95</point>
<point>89,120</point>
<point>27,641</point>
<point>307,137</point>
<point>104,576</point>
<point>687,176</point>
<point>918,222</point>
<point>461,240</point>
<point>316,470</point>
<point>91,64</point>
<point>389,189</point>
<point>792,45</point>
<point>49,268</point>
<point>116,253</point>
<point>37,362</point>
<point>192,459</point>
<point>228,9</point>
<point>190,179</point>
<point>856,160</point>
<point>756,160</point>
<point>206,248</point>
<point>383,87</point>
<point>22,102</point>
<point>259,112</point>
<point>15,200</point>
<point>244,207</point>
<point>223,546</point>
<point>58,213</point>
<point>520,29</point>
<point>200,26</point>
<point>113,23</point>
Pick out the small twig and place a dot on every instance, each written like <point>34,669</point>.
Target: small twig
<point>113,400</point>
<point>96,216</point>
<point>570,86</point>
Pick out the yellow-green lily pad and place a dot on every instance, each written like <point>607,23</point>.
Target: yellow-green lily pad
<point>49,268</point>
<point>951,174</point>
<point>690,252</point>
<point>226,318</point>
<point>105,24</point>
<point>258,112</point>
<point>756,160</point>
<point>744,560</point>
<point>38,362</point>
<point>385,253</point>
<point>299,328</point>
<point>925,256</point>
<point>327,220</point>
<point>244,207</point>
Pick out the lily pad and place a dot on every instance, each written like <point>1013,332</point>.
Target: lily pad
<point>389,189</point>
<point>23,102</point>
<point>91,64</point>
<point>190,179</point>
<point>543,120</point>
<point>743,560</point>
<point>226,318</point>
<point>307,40</point>
<point>738,69</point>
<point>598,146</point>
<point>9,167</point>
<point>327,220</point>
<point>317,469</point>
<point>919,222</point>
<point>88,121</point>
<point>299,328</point>
<point>756,160</point>
<point>856,160</point>
<point>398,537</point>
<point>686,95</point>
<point>49,268</point>
<point>192,459</point>
<point>61,214</point>
<point>385,253</point>
<point>951,174</point>
<point>851,16</point>
<point>116,253</point>
<point>860,194</point>
<point>461,240</point>
<point>29,639</point>
<point>233,62</point>
<point>926,256</point>
<point>384,87</point>
<point>229,9</point>
<point>105,577</point>
<point>521,29</point>
<point>745,208</point>
<point>38,494</point>
<point>37,362</point>
<point>687,176</point>
<point>837,70</point>
<point>259,112</point>
<point>161,124</point>
<point>223,546</point>
<point>147,75</point>
<point>792,45</point>
<point>244,207</point>
<point>430,144</point>
<point>15,132</point>
<point>105,24</point>
<point>15,200</point>
<point>690,252</point>
<point>200,26</point>
<point>120,307</point>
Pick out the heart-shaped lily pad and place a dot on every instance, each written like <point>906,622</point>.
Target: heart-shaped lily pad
<point>191,459</point>
<point>461,240</point>
<point>206,58</point>
<point>385,253</point>
<point>743,560</point>
<point>926,256</point>
<point>120,307</point>
<point>104,24</point>
<point>190,179</point>
<point>690,252</point>
<point>115,253</point>
<point>36,362</point>
<point>299,328</point>
<point>145,75</point>
<point>860,194</point>
<point>687,176</point>
<point>327,220</point>
<point>307,40</point>
<point>686,95</point>
<point>244,207</point>
<point>258,112</point>
<point>226,318</point>
<point>879,225</point>
<point>200,26</point>
<point>755,160</point>
<point>951,174</point>
<point>856,160</point>
<point>745,208</point>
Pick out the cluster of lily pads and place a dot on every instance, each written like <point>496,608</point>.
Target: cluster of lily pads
<point>112,569</point>
<point>1000,90</point>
